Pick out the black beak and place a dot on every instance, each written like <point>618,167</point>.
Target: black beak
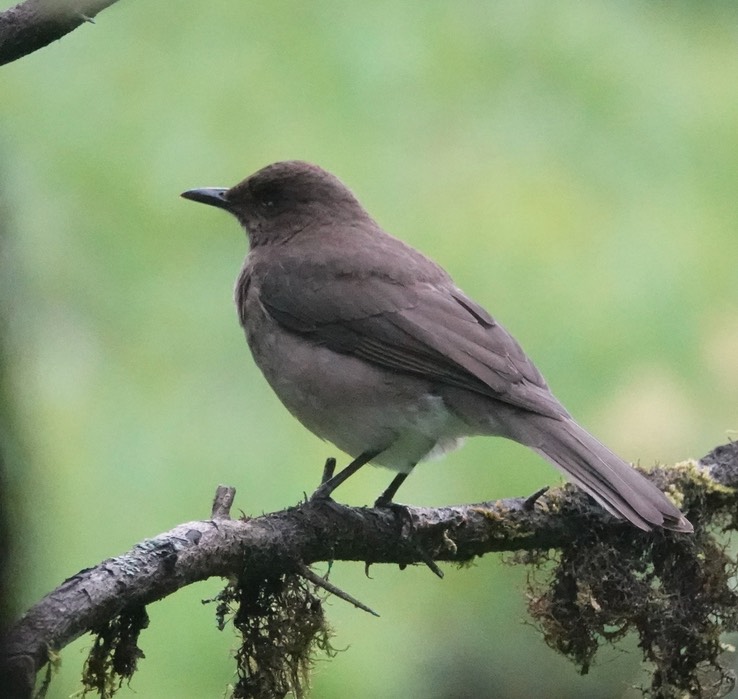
<point>214,196</point>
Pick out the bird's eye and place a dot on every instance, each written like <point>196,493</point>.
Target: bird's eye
<point>268,196</point>
<point>267,199</point>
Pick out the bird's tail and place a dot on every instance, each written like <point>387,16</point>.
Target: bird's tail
<point>612,482</point>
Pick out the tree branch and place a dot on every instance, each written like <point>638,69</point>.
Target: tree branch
<point>287,541</point>
<point>33,24</point>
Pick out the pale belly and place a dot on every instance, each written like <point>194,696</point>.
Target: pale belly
<point>355,405</point>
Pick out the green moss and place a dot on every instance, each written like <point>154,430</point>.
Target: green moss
<point>282,626</point>
<point>673,591</point>
<point>115,653</point>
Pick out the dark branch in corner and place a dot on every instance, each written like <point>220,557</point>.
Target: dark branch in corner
<point>33,24</point>
<point>290,540</point>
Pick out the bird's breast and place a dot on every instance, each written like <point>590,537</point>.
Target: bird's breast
<point>353,404</point>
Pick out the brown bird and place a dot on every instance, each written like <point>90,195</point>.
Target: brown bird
<point>371,345</point>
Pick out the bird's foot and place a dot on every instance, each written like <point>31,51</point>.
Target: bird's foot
<point>324,491</point>
<point>408,531</point>
<point>386,503</point>
<point>530,502</point>
<point>321,494</point>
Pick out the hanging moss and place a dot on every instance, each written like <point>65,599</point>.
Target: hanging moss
<point>282,626</point>
<point>675,592</point>
<point>115,653</point>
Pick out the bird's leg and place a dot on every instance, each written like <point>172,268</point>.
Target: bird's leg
<point>324,490</point>
<point>385,499</point>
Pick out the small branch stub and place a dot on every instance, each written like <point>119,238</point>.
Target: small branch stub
<point>222,502</point>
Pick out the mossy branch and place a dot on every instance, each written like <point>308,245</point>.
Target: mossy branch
<point>265,559</point>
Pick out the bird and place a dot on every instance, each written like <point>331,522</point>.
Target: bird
<point>372,346</point>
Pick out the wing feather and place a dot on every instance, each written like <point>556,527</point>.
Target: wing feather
<point>425,329</point>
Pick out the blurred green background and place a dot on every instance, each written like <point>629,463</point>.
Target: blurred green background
<point>573,165</point>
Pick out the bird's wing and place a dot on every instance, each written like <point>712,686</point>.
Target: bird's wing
<point>426,329</point>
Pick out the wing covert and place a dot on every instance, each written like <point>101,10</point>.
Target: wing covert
<point>430,330</point>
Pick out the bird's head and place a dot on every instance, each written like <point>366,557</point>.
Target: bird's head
<point>282,199</point>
